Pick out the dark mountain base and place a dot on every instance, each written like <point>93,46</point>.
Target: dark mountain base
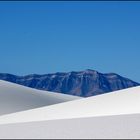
<point>84,83</point>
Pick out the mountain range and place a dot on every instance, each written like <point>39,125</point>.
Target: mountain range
<point>82,83</point>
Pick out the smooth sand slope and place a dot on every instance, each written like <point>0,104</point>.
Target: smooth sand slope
<point>115,103</point>
<point>112,115</point>
<point>118,126</point>
<point>15,98</point>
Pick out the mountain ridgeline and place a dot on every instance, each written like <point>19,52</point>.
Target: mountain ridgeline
<point>83,83</point>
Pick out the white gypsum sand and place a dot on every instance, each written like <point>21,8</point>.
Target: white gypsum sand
<point>120,102</point>
<point>114,127</point>
<point>14,97</point>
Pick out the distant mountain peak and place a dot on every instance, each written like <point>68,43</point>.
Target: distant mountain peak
<point>81,83</point>
<point>91,71</point>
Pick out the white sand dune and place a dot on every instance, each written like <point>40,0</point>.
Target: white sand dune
<point>121,102</point>
<point>15,98</point>
<point>112,115</point>
<point>108,127</point>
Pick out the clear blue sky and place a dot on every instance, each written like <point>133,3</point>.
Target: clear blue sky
<point>46,37</point>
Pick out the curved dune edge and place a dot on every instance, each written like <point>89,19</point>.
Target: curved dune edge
<point>121,102</point>
<point>15,98</point>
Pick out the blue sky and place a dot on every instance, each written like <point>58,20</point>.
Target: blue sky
<point>46,37</point>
